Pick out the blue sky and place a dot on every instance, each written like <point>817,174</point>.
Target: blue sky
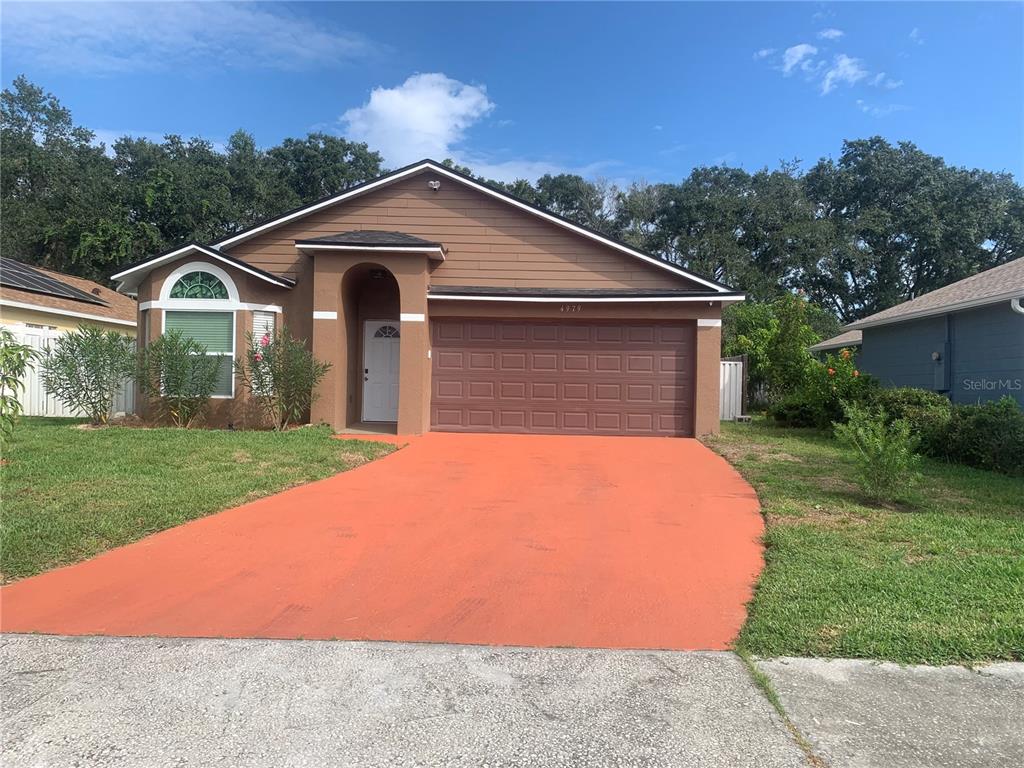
<point>621,91</point>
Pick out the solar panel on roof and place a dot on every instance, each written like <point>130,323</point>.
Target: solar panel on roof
<point>14,274</point>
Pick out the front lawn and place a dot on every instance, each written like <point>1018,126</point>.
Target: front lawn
<point>71,493</point>
<point>940,581</point>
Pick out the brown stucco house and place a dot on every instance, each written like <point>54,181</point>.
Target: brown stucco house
<point>445,304</point>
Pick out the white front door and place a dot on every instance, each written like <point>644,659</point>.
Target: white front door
<point>380,370</point>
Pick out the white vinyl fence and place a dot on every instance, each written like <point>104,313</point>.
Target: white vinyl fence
<point>730,399</point>
<point>35,400</point>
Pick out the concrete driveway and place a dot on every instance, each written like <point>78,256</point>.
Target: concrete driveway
<point>610,542</point>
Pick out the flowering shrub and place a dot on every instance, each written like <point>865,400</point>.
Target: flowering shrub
<point>178,377</point>
<point>281,375</point>
<point>86,368</point>
<point>827,385</point>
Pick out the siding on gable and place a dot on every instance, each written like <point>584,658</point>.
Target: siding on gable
<point>986,353</point>
<point>490,243</point>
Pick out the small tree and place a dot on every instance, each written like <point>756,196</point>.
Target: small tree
<point>86,369</point>
<point>178,377</point>
<point>884,452</point>
<point>14,361</point>
<point>281,375</point>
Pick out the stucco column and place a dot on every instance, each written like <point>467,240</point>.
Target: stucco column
<point>414,366</point>
<point>709,356</point>
<point>328,336</point>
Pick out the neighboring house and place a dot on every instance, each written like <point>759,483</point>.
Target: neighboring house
<point>846,340</point>
<point>32,298</point>
<point>965,340</point>
<point>445,304</point>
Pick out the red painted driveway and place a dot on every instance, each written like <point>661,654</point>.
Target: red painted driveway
<point>614,542</point>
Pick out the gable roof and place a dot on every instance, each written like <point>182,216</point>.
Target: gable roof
<point>845,339</point>
<point>1002,283</point>
<point>130,277</point>
<point>84,299</point>
<point>371,238</point>
<point>435,167</point>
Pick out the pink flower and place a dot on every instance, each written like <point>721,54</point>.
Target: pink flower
<point>265,340</point>
<point>258,357</point>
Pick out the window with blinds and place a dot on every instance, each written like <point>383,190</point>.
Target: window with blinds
<point>262,324</point>
<point>216,332</point>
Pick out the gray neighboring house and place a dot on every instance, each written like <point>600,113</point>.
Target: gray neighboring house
<point>846,340</point>
<point>965,340</point>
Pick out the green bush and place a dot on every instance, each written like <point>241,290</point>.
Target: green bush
<point>15,359</point>
<point>883,450</point>
<point>178,377</point>
<point>281,375</point>
<point>988,436</point>
<point>924,410</point>
<point>85,369</point>
<point>826,387</point>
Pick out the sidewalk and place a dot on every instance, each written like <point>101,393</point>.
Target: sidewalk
<point>171,702</point>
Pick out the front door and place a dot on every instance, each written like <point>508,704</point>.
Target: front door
<point>380,370</point>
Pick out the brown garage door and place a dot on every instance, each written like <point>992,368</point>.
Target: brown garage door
<point>562,377</point>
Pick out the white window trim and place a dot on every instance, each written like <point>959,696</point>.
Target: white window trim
<point>198,266</point>
<point>198,304</point>
<point>234,339</point>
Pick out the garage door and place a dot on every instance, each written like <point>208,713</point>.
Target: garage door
<point>562,377</point>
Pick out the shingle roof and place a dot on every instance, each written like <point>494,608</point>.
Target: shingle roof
<point>372,239</point>
<point>845,339</point>
<point>107,303</point>
<point>1001,283</point>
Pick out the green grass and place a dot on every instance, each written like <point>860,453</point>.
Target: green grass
<point>71,493</point>
<point>939,580</point>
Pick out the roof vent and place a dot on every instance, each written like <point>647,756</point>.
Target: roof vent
<point>434,184</point>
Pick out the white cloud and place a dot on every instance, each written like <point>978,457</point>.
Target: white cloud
<point>429,115</point>
<point>882,80</point>
<point>104,38</point>
<point>915,36</point>
<point>764,53</point>
<point>844,69</point>
<point>830,34</point>
<point>659,127</point>
<point>426,116</point>
<point>876,110</point>
<point>797,55</point>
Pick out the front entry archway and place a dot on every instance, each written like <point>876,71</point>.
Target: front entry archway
<point>381,346</point>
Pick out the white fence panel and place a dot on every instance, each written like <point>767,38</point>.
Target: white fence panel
<point>730,400</point>
<point>35,400</point>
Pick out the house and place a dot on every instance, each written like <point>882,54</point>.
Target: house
<point>965,340</point>
<point>445,304</point>
<point>36,299</point>
<point>846,340</point>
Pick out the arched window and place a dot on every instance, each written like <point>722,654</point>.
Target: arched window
<point>199,285</point>
<point>386,332</point>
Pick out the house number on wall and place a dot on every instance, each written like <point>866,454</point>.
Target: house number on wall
<point>572,307</point>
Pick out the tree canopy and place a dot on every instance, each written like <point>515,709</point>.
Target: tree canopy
<point>880,224</point>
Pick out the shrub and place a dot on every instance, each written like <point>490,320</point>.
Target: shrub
<point>826,387</point>
<point>14,361</point>
<point>922,409</point>
<point>87,368</point>
<point>883,449</point>
<point>988,436</point>
<point>281,374</point>
<point>178,377</point>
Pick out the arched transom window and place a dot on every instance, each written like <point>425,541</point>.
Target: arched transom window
<point>386,332</point>
<point>199,285</point>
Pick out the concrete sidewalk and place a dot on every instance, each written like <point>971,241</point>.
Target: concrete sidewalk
<point>863,714</point>
<point>241,703</point>
<point>151,703</point>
